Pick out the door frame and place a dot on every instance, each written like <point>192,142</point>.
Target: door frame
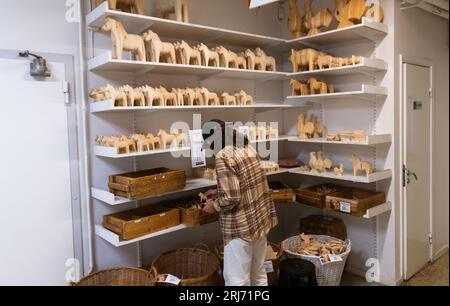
<point>73,140</point>
<point>402,156</point>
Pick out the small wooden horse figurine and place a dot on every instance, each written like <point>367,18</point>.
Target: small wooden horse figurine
<point>359,166</point>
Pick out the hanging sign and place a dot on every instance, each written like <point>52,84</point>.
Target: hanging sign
<point>257,3</point>
<point>198,155</point>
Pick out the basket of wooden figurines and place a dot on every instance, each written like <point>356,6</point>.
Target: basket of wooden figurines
<point>328,255</point>
<point>127,277</point>
<point>195,266</point>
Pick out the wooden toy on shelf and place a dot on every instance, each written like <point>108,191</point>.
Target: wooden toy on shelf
<point>307,18</point>
<point>193,97</point>
<point>127,6</point>
<point>209,98</point>
<point>319,127</point>
<point>318,164</point>
<point>209,57</point>
<point>305,128</point>
<point>241,61</point>
<point>315,85</point>
<point>374,12</point>
<point>305,59</point>
<point>327,61</point>
<point>143,144</point>
<point>134,97</point>
<point>356,60</point>
<point>327,163</point>
<point>359,166</point>
<point>119,97</point>
<point>122,144</point>
<point>352,135</point>
<point>322,19</point>
<point>356,10</point>
<point>167,139</point>
<point>158,51</point>
<point>122,41</point>
<point>341,14</point>
<point>178,7</point>
<point>270,62</point>
<point>98,94</point>
<point>186,55</point>
<point>299,88</point>
<point>254,62</point>
<point>155,141</point>
<point>227,99</point>
<point>170,98</point>
<point>272,133</point>
<point>244,99</point>
<point>181,139</point>
<point>227,58</point>
<point>153,96</point>
<point>295,23</point>
<point>180,95</point>
<point>339,171</point>
<point>333,137</point>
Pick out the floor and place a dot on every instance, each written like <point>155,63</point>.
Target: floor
<point>435,274</point>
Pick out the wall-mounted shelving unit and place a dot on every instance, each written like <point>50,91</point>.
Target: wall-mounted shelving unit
<point>372,178</point>
<point>367,92</point>
<point>370,140</point>
<point>370,213</point>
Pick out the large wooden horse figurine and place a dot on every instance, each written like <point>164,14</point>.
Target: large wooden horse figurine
<point>122,41</point>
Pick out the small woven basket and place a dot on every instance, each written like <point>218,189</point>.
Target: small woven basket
<point>194,266</point>
<point>329,274</point>
<point>118,277</point>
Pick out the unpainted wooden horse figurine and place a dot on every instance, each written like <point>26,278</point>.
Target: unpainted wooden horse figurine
<point>359,166</point>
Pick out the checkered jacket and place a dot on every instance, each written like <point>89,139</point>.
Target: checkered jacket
<point>245,203</point>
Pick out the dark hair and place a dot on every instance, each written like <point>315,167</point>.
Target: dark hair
<point>218,126</point>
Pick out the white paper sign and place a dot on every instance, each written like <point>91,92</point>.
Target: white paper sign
<point>171,279</point>
<point>345,207</point>
<point>198,155</point>
<point>331,258</point>
<point>269,266</point>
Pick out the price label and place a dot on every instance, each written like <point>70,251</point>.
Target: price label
<point>345,207</point>
<point>269,266</point>
<point>198,155</point>
<point>170,279</point>
<point>327,259</point>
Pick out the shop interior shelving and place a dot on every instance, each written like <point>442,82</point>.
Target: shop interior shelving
<point>367,92</point>
<point>371,178</point>
<point>370,140</point>
<point>370,213</point>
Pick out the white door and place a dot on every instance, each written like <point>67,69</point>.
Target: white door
<point>36,212</point>
<point>417,172</point>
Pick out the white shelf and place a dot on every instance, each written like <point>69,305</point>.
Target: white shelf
<point>280,138</point>
<point>115,240</point>
<point>108,106</point>
<point>137,24</point>
<point>367,92</point>
<point>371,140</point>
<point>374,177</point>
<point>104,62</point>
<point>366,30</point>
<point>111,152</point>
<point>378,210</point>
<point>113,200</point>
<point>368,66</point>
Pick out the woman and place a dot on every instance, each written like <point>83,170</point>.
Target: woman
<point>247,212</point>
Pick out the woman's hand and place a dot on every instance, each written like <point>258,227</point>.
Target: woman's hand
<point>209,207</point>
<point>212,193</point>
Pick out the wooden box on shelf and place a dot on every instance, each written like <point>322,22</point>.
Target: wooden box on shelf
<point>281,193</point>
<point>354,201</point>
<point>192,215</point>
<point>322,225</point>
<point>316,195</point>
<point>142,221</point>
<point>147,183</point>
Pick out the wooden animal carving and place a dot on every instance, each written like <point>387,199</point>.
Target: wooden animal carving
<point>122,41</point>
<point>270,62</point>
<point>119,97</point>
<point>181,139</point>
<point>167,139</point>
<point>210,98</point>
<point>241,62</point>
<point>295,23</point>
<point>299,88</point>
<point>98,94</point>
<point>356,60</point>
<point>306,58</point>
<point>314,163</point>
<point>374,12</point>
<point>209,57</point>
<point>228,59</point>
<point>315,86</point>
<point>154,141</point>
<point>193,97</point>
<point>308,15</point>
<point>359,166</point>
<point>339,171</point>
<point>187,55</point>
<point>153,97</point>
<point>327,164</point>
<point>128,6</point>
<point>322,19</point>
<point>143,144</point>
<point>305,129</point>
<point>327,61</point>
<point>134,96</point>
<point>170,98</point>
<point>227,99</point>
<point>254,62</point>
<point>356,10</point>
<point>244,98</point>
<point>319,127</point>
<point>341,14</point>
<point>158,51</point>
<point>178,7</point>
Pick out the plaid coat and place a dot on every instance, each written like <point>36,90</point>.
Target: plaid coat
<point>244,200</point>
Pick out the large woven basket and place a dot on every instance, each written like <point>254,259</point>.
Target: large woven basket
<point>118,277</point>
<point>329,274</point>
<point>194,266</point>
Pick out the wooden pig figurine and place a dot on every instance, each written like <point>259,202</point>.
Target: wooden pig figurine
<point>359,166</point>
<point>178,7</point>
<point>158,51</point>
<point>128,6</point>
<point>122,41</point>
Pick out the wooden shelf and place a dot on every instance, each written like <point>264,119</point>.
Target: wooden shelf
<point>107,106</point>
<point>368,66</point>
<point>366,30</point>
<point>104,62</point>
<point>115,240</point>
<point>178,30</point>
<point>371,140</point>
<point>367,92</point>
<point>370,213</point>
<point>374,177</point>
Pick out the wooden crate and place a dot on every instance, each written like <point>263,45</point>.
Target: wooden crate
<point>142,221</point>
<point>147,183</point>
<point>354,201</point>
<point>281,193</point>
<point>322,225</point>
<point>316,195</point>
<point>190,215</point>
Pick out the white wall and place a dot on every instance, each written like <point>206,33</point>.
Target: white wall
<point>424,37</point>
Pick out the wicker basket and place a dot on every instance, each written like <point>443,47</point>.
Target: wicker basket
<point>194,266</point>
<point>118,277</point>
<point>328,274</point>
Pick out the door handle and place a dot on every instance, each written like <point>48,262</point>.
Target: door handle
<point>407,176</point>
